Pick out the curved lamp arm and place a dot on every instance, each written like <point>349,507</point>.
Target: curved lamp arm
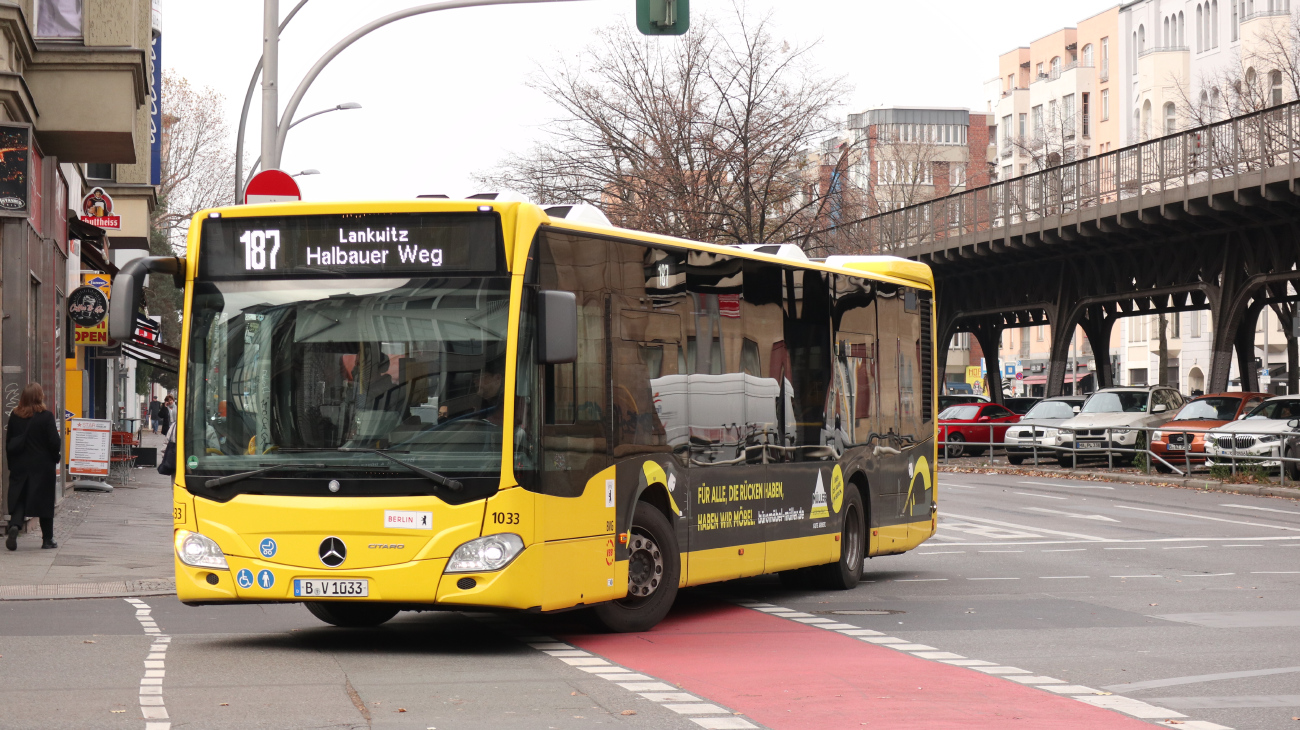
<point>248,100</point>
<point>363,31</point>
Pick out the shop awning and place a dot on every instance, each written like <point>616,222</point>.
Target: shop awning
<point>92,245</point>
<point>134,351</point>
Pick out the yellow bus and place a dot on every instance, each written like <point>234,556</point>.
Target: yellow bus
<point>478,403</point>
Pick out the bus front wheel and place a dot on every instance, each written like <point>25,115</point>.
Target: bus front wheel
<point>351,615</point>
<point>653,573</point>
<point>845,573</point>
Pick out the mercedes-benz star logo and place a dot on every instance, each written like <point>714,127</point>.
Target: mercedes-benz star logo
<point>333,552</point>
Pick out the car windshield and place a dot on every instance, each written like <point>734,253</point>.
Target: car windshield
<point>1277,410</point>
<point>285,372</point>
<point>1209,409</point>
<point>1119,401</point>
<point>959,413</point>
<point>1057,409</point>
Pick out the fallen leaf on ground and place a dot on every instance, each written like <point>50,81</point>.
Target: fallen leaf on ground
<point>628,712</point>
<point>573,694</point>
<point>117,710</point>
<point>87,641</point>
<point>225,704</point>
<point>401,709</point>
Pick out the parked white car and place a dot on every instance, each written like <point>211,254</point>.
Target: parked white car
<point>1269,430</point>
<point>1038,433</point>
<point>1108,418</point>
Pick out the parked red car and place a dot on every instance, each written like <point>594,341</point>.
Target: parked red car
<point>976,423</point>
<point>1203,412</point>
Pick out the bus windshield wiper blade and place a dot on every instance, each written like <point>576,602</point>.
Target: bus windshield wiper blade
<point>434,477</point>
<point>452,484</point>
<point>232,478</point>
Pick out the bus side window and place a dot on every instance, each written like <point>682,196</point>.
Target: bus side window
<point>643,350</point>
<point>765,362</point>
<point>574,430</point>
<point>808,344</point>
<point>855,345</point>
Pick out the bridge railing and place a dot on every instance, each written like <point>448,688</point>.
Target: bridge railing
<point>1239,145</point>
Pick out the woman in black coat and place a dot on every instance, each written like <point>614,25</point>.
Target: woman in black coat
<point>34,448</point>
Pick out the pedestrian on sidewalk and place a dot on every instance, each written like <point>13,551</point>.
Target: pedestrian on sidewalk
<point>166,416</point>
<point>154,408</point>
<point>34,449</point>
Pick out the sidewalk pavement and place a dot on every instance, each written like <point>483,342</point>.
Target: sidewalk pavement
<point>115,544</point>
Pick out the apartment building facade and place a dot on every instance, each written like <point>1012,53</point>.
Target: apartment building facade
<point>79,100</point>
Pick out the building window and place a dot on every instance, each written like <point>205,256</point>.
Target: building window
<point>1146,119</point>
<point>99,171</point>
<point>1083,119</point>
<point>1105,104</point>
<point>1087,55</point>
<point>1275,82</point>
<point>1067,114</point>
<point>1056,66</point>
<point>1196,324</point>
<point>1137,376</point>
<point>1182,30</point>
<point>1023,118</point>
<point>1011,81</point>
<point>1176,327</point>
<point>1233,25</point>
<point>1040,71</point>
<point>1142,39</point>
<point>59,19</point>
<point>1213,39</point>
<point>1199,24</point>
<point>1105,57</point>
<point>1171,118</point>
<point>1038,120</point>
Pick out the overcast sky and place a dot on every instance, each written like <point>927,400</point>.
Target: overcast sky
<point>444,95</point>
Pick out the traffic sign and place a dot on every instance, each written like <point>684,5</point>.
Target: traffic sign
<point>272,186</point>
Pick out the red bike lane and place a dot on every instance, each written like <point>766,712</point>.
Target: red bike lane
<point>789,676</point>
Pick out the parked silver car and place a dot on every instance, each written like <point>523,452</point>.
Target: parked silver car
<point>1108,417</point>
<point>1037,432</point>
<point>1269,430</point>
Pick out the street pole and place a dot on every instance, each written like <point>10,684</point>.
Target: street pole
<point>270,79</point>
<point>243,115</point>
<point>339,47</point>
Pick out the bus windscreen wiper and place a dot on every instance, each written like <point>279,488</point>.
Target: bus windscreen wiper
<point>442,481</point>
<point>232,478</point>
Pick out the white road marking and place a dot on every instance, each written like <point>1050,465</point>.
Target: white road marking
<point>1067,486</point>
<point>1205,575</point>
<point>627,677</point>
<point>698,708</point>
<point>1070,689</point>
<point>910,647</point>
<point>1185,547</point>
<point>883,639</point>
<point>1076,516</point>
<point>1243,546</point>
<point>1261,509</point>
<point>1037,530</point>
<point>722,723</point>
<point>1044,496</point>
<point>1002,670</point>
<point>1206,517</point>
<point>938,655</point>
<point>967,662</point>
<point>1124,548</point>
<point>793,614</point>
<point>917,580</point>
<point>152,707</point>
<point>1197,679</point>
<point>944,552</point>
<point>670,697</point>
<point>1067,550</point>
<point>1275,572</point>
<point>959,486</point>
<point>1036,680</point>
<point>1130,706</point>
<point>1138,576</point>
<point>860,632</point>
<point>1062,577</point>
<point>1002,551</point>
<point>992,579</point>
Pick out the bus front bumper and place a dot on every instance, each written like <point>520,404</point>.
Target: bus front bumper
<point>516,586</point>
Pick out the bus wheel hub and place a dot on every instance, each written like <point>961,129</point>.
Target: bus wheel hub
<point>645,566</point>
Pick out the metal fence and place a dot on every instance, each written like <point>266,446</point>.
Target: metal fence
<point>1120,445</point>
<point>1237,146</point>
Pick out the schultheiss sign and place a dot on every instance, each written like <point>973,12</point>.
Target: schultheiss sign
<point>97,210</point>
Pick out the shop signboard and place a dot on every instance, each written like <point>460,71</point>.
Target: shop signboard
<point>975,378</point>
<point>89,450</point>
<point>97,210</point>
<point>83,308</point>
<point>15,169</point>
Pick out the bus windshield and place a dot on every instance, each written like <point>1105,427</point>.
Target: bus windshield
<point>291,371</point>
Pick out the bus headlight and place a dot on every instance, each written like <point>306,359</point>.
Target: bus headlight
<point>485,554</point>
<point>199,551</point>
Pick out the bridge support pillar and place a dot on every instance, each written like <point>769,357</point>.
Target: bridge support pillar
<point>1244,342</point>
<point>988,332</point>
<point>1097,324</point>
<point>1064,319</point>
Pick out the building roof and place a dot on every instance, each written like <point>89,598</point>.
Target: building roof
<point>917,115</point>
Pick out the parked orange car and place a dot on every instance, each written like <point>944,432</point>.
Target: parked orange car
<point>1204,412</point>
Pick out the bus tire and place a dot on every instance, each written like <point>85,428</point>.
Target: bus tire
<point>654,571</point>
<point>845,573</point>
<point>351,615</point>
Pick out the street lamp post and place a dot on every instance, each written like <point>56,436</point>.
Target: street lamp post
<point>248,101</point>
<point>341,107</point>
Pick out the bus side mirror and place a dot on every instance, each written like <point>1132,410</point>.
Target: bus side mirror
<point>557,327</point>
<point>128,291</point>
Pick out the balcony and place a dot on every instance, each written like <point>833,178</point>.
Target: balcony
<point>1163,49</point>
<point>87,74</point>
<point>1265,14</point>
<point>1054,75</point>
<point>1104,74</point>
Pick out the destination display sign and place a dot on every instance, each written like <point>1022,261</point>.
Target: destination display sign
<point>429,244</point>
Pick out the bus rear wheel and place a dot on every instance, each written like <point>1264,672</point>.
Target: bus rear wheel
<point>653,574</point>
<point>351,615</point>
<point>845,573</point>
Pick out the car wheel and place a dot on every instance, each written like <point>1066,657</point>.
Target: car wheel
<point>1015,460</point>
<point>954,445</point>
<point>1293,467</point>
<point>654,568</point>
<point>351,615</point>
<point>976,450</point>
<point>845,573</point>
<point>1160,467</point>
<point>1066,460</point>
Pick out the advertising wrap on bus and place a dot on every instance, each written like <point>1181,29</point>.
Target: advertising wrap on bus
<point>381,412</point>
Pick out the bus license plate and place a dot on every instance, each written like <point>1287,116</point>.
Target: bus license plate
<point>1091,444</point>
<point>316,588</point>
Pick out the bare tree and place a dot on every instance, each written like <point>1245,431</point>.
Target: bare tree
<point>704,137</point>
<point>197,164</point>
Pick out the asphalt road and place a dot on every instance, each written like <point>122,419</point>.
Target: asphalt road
<point>1044,600</point>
